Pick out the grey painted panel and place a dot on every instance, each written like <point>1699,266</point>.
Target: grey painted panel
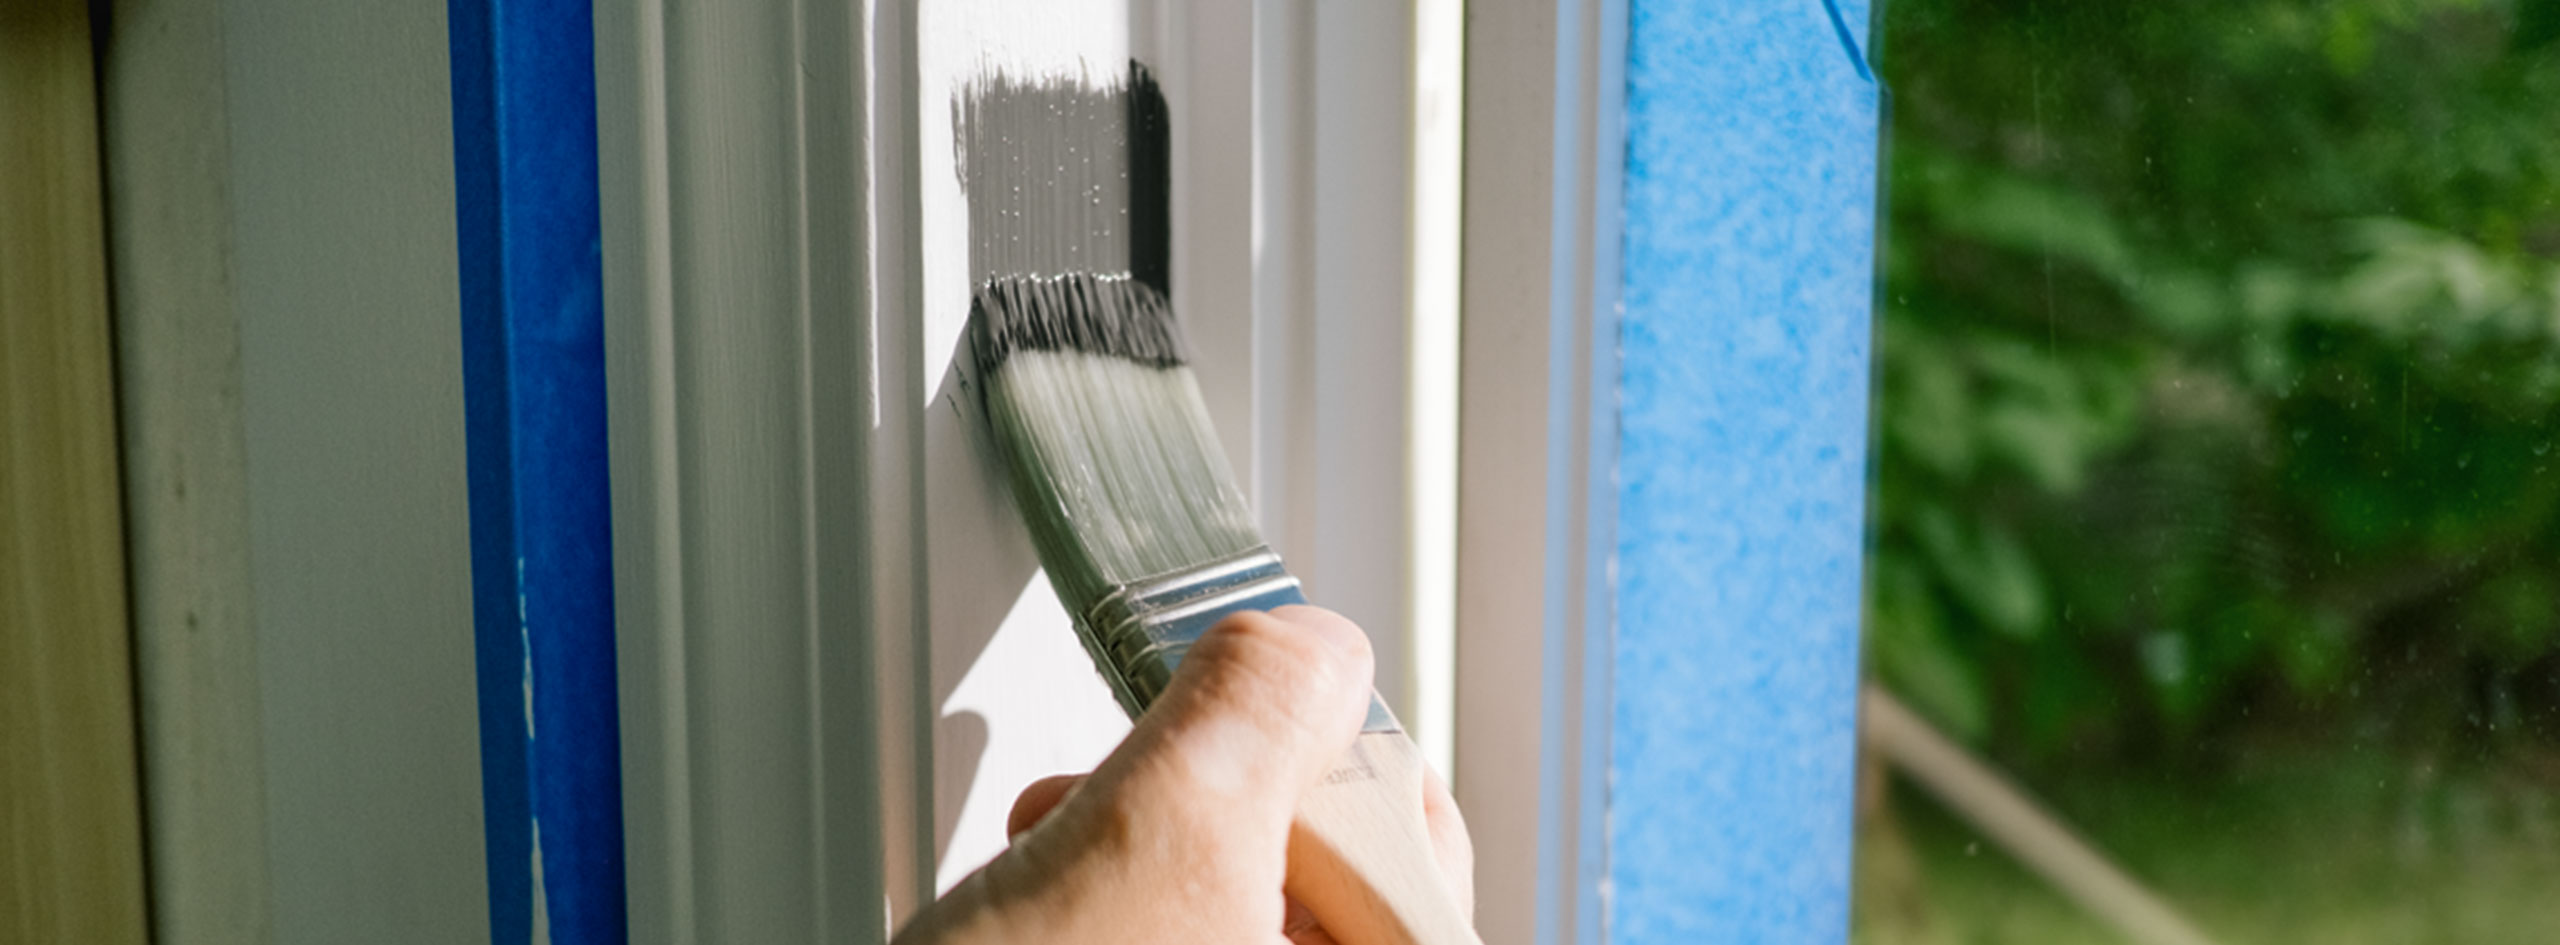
<point>341,183</point>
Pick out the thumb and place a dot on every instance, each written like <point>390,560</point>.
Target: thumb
<point>1262,706</point>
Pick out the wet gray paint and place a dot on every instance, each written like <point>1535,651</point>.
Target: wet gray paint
<point>1065,175</point>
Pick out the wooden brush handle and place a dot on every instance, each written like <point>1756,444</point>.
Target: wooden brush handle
<point>1360,855</point>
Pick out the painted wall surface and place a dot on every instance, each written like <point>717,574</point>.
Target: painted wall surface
<point>1750,186</point>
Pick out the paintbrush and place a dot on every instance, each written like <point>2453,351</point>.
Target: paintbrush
<point>1078,367</point>
<point>1128,498</point>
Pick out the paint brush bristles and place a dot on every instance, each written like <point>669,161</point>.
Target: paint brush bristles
<point>1112,455</point>
<point>1080,367</point>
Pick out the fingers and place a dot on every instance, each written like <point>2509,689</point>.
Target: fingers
<point>1038,800</point>
<point>1299,926</point>
<point>1181,835</point>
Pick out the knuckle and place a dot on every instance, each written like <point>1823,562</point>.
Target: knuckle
<point>1257,659</point>
<point>1284,654</point>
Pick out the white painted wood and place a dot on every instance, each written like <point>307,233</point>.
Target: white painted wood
<point>1348,470</point>
<point>166,137</point>
<point>1282,483</point>
<point>732,180</point>
<point>342,274</point>
<point>1358,560</point>
<point>901,670</point>
<point>1539,281</point>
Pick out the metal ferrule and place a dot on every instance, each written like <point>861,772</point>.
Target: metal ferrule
<point>1140,631</point>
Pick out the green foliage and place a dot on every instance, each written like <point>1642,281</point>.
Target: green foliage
<point>2220,353</point>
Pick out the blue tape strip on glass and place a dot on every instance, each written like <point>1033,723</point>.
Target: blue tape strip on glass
<point>1747,281</point>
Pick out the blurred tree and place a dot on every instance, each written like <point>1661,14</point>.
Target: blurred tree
<point>2220,348</point>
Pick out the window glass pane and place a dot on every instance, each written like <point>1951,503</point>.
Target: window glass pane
<point>2215,498</point>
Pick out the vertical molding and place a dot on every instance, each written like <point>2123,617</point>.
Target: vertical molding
<point>640,395</point>
<point>1360,201</point>
<point>744,407</point>
<point>1431,388</point>
<point>902,667</point>
<point>1332,359</point>
<point>1750,173</point>
<point>165,121</point>
<point>742,479</point>
<point>1283,482</point>
<point>851,866</point>
<point>1535,447</point>
<point>70,796</point>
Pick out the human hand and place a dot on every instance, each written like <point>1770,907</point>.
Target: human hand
<point>1181,836</point>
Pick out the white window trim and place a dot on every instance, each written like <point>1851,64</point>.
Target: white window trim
<point>1536,436</point>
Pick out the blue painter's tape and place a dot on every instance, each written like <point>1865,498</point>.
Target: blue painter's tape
<point>1747,282</point>
<point>541,566</point>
